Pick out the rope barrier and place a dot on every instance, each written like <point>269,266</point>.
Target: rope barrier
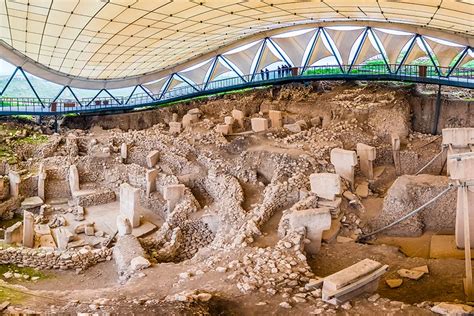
<point>450,186</point>
<point>430,162</point>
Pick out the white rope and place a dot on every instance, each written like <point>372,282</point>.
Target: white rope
<point>450,186</point>
<point>430,162</point>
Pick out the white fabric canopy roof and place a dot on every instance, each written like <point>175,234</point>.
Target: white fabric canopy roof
<point>126,42</point>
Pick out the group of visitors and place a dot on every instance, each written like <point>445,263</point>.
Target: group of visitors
<point>282,71</point>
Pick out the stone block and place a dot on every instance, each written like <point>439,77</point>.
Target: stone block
<point>276,118</point>
<point>315,221</point>
<point>294,128</point>
<point>73,179</point>
<point>139,263</point>
<point>31,202</point>
<point>174,117</point>
<point>129,203</point>
<point>458,137</point>
<point>14,234</point>
<point>172,194</point>
<point>62,237</point>
<point>151,176</point>
<point>124,227</point>
<point>229,120</point>
<point>123,152</point>
<point>367,156</point>
<point>239,117</point>
<point>188,119</point>
<point>28,229</point>
<point>15,180</point>
<point>152,158</point>
<point>41,181</point>
<point>224,129</point>
<point>344,162</point>
<point>259,124</point>
<point>175,127</point>
<point>325,185</point>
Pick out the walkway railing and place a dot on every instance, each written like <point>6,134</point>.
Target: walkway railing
<point>459,77</point>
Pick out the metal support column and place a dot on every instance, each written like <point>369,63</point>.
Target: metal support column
<point>311,50</point>
<point>260,53</point>
<point>456,64</point>
<point>364,37</point>
<point>410,47</point>
<point>31,86</point>
<point>332,50</point>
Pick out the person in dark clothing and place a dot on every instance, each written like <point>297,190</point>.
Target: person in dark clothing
<point>285,68</point>
<point>267,73</point>
<point>262,74</point>
<point>279,71</point>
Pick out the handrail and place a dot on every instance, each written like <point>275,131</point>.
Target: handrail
<point>460,77</point>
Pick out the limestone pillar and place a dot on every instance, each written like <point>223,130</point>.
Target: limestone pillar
<point>15,180</point>
<point>315,221</point>
<point>326,185</point>
<point>174,117</point>
<point>73,179</point>
<point>367,156</point>
<point>259,124</point>
<point>124,227</point>
<point>239,117</point>
<point>151,181</point>
<point>129,203</point>
<point>175,127</point>
<point>152,159</point>
<point>276,118</point>
<point>457,140</point>
<point>396,153</point>
<point>229,120</point>
<point>28,229</point>
<point>462,170</point>
<point>224,129</point>
<point>172,194</point>
<point>41,181</point>
<point>344,162</point>
<point>123,152</point>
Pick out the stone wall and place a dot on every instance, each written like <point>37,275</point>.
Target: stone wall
<point>49,259</point>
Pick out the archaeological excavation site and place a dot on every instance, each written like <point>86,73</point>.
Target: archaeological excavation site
<point>236,157</point>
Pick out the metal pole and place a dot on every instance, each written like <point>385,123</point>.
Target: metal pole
<point>9,80</point>
<point>228,64</point>
<point>311,50</point>
<point>279,52</point>
<point>258,59</point>
<point>31,86</point>
<point>463,54</point>
<point>429,55</point>
<point>358,50</point>
<point>380,50</point>
<point>410,47</point>
<point>167,84</point>
<point>467,242</point>
<point>130,96</point>
<point>150,95</point>
<point>74,95</point>
<point>332,50</point>
<point>437,113</point>
<point>189,83</point>
<point>213,67</point>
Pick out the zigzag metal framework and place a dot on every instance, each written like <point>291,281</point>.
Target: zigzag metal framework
<point>268,49</point>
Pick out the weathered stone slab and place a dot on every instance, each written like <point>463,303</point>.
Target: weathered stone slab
<point>152,158</point>
<point>62,236</point>
<point>458,137</point>
<point>315,221</point>
<point>151,176</point>
<point>15,180</point>
<point>344,162</point>
<point>367,155</point>
<point>325,185</point>
<point>31,202</point>
<point>259,124</point>
<point>73,179</point>
<point>41,181</point>
<point>172,194</point>
<point>28,229</point>
<point>276,118</point>
<point>129,203</point>
<point>124,227</point>
<point>145,228</point>
<point>175,127</point>
<point>239,117</point>
<point>224,129</point>
<point>350,274</point>
<point>14,234</point>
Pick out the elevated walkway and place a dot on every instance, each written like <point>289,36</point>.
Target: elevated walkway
<point>459,77</point>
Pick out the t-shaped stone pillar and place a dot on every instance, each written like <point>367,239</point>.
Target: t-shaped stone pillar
<point>325,185</point>
<point>172,193</point>
<point>276,118</point>
<point>396,153</point>
<point>152,158</point>
<point>123,152</point>
<point>41,181</point>
<point>259,124</point>
<point>315,221</point>
<point>239,117</point>
<point>15,180</point>
<point>28,229</point>
<point>151,181</point>
<point>73,179</point>
<point>462,169</point>
<point>344,161</point>
<point>367,156</point>
<point>129,203</point>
